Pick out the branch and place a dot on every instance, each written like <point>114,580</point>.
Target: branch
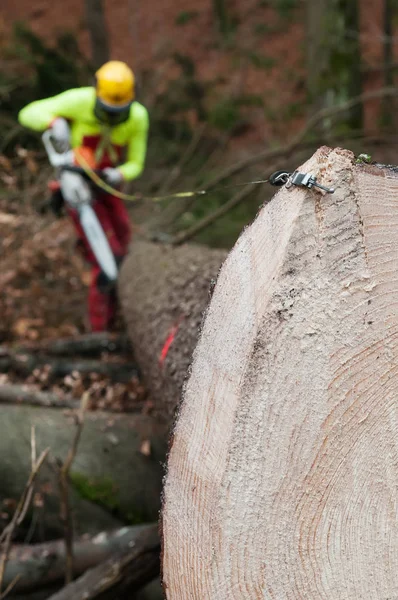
<point>20,512</point>
<point>66,516</point>
<point>186,157</point>
<point>208,220</point>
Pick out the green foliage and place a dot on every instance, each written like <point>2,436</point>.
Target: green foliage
<point>341,77</point>
<point>185,17</point>
<point>186,63</point>
<point>285,8</point>
<point>102,491</point>
<point>225,115</point>
<point>293,110</point>
<point>48,70</point>
<point>99,491</point>
<point>364,159</point>
<point>221,13</point>
<point>55,68</point>
<point>260,61</point>
<point>185,93</point>
<point>224,232</point>
<point>250,100</point>
<point>263,29</point>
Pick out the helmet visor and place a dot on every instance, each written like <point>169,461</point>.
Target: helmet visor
<point>111,115</point>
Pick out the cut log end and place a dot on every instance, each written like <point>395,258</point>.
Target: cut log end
<point>282,475</point>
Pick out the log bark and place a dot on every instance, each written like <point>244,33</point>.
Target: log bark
<point>282,473</point>
<point>112,479</point>
<point>165,290</point>
<point>125,573</point>
<point>22,394</point>
<point>90,344</point>
<point>38,565</point>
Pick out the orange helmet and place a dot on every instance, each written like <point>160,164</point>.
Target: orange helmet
<point>115,87</point>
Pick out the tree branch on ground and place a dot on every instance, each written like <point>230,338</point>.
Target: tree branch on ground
<point>24,363</point>
<point>64,470</point>
<point>20,512</point>
<point>22,394</point>
<point>39,565</point>
<point>126,572</point>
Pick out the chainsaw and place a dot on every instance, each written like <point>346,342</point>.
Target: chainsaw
<point>79,194</point>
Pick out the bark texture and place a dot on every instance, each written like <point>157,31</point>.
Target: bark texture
<point>161,289</point>
<point>120,576</point>
<point>282,474</point>
<point>39,565</point>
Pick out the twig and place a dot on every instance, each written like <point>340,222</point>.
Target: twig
<point>33,462</point>
<point>186,157</point>
<point>64,470</point>
<point>189,233</point>
<point>20,512</point>
<point>208,220</point>
<point>10,586</point>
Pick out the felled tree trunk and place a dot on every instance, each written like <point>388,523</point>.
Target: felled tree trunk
<point>121,575</point>
<point>282,475</point>
<point>38,565</point>
<point>116,472</point>
<point>164,292</point>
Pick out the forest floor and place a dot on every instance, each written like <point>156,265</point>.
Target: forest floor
<point>44,285</point>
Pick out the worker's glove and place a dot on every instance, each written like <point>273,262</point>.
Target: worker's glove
<point>60,134</point>
<point>113,177</point>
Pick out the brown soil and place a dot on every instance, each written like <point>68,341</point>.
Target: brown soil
<point>43,286</point>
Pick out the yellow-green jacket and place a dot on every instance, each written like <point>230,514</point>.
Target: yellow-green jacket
<point>123,145</point>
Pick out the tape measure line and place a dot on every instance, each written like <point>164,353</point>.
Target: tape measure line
<point>137,197</point>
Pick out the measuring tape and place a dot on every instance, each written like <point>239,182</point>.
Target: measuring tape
<point>277,179</point>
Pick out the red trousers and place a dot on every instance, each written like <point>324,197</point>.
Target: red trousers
<point>115,222</point>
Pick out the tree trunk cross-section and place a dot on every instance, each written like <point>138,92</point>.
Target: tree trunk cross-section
<point>282,475</point>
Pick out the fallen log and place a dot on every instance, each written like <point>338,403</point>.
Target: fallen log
<point>22,394</point>
<point>164,292</point>
<point>24,364</point>
<point>124,573</point>
<point>38,565</point>
<point>90,344</point>
<point>116,476</point>
<point>282,473</point>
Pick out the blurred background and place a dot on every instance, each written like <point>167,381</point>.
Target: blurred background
<point>234,91</point>
<point>222,80</point>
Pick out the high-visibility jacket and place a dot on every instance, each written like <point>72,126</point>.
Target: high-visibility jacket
<point>123,145</point>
